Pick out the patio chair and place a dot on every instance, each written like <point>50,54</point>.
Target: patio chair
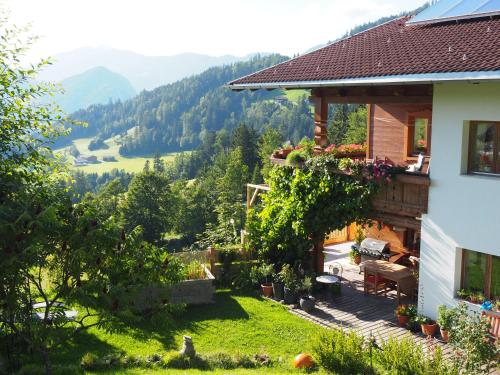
<point>494,321</point>
<point>376,283</point>
<point>336,269</point>
<point>417,167</point>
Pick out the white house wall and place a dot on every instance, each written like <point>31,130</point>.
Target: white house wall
<point>464,210</point>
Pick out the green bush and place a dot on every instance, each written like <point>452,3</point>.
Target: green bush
<point>342,353</point>
<point>405,357</point>
<point>296,158</point>
<point>90,361</point>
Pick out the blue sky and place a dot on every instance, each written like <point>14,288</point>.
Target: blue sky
<point>215,27</point>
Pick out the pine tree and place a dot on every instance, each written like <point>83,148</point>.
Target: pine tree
<point>158,164</point>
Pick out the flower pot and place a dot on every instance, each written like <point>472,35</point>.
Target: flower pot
<point>267,289</point>
<point>290,296</point>
<point>429,329</point>
<point>444,335</point>
<point>278,291</point>
<point>403,320</point>
<point>307,303</point>
<point>357,260</point>
<point>284,152</point>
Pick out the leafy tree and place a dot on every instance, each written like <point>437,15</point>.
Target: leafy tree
<point>148,204</point>
<point>54,251</point>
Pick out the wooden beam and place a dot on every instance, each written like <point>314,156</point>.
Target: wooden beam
<point>385,99</point>
<point>369,140</point>
<point>320,120</point>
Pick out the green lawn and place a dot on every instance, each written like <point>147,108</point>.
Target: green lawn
<point>130,164</point>
<point>235,324</point>
<point>295,95</point>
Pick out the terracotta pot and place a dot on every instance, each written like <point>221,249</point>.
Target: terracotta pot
<point>429,329</point>
<point>357,260</point>
<point>403,320</point>
<point>444,335</point>
<point>267,289</point>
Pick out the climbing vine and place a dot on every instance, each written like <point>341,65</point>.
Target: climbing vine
<point>304,204</point>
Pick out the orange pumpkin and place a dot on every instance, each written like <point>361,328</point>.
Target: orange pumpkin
<point>303,360</point>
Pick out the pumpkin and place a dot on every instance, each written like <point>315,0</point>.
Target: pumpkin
<point>303,360</point>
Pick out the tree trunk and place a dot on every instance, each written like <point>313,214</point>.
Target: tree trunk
<point>46,360</point>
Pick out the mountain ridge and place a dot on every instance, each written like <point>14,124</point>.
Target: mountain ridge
<point>143,72</point>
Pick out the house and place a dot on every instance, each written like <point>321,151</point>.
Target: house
<point>432,87</point>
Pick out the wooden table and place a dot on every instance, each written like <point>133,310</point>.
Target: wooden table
<point>401,275</point>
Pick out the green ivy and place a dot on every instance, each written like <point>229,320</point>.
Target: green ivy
<point>305,204</point>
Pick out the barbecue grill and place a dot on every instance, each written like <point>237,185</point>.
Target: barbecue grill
<point>373,249</point>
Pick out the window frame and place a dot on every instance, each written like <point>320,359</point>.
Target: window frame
<point>487,274</point>
<point>496,148</point>
<point>410,132</point>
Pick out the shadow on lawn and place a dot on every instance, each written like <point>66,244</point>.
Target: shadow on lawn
<point>166,326</point>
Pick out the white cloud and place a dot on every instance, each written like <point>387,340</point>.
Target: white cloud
<point>216,27</point>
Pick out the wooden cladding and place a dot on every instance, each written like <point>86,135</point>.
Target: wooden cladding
<point>376,94</point>
<point>407,196</point>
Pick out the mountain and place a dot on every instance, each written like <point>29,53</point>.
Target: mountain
<point>144,72</point>
<point>177,116</point>
<point>95,86</point>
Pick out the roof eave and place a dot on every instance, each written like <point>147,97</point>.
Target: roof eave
<point>409,79</point>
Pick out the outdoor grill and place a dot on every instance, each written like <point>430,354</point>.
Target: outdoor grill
<point>371,249</point>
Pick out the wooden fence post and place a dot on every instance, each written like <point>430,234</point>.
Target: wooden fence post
<point>211,258</point>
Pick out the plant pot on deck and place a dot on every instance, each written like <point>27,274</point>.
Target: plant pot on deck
<point>267,289</point>
<point>290,296</point>
<point>357,260</point>
<point>403,320</point>
<point>444,334</point>
<point>307,303</point>
<point>429,329</point>
<point>278,291</point>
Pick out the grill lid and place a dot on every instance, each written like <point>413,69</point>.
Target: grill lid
<point>373,244</point>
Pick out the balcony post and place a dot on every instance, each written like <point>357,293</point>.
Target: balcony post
<point>320,120</point>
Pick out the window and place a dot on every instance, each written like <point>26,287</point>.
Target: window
<point>419,133</point>
<point>484,147</point>
<point>481,273</point>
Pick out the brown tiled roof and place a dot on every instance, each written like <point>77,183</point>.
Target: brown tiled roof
<point>392,49</point>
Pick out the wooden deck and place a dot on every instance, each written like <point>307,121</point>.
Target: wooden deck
<point>365,314</point>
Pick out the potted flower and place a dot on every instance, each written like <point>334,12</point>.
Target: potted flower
<point>427,325</point>
<point>354,255</point>
<point>285,150</point>
<point>476,297</point>
<point>307,301</point>
<point>290,282</point>
<point>445,320</point>
<point>278,286</point>
<point>403,314</point>
<point>266,271</point>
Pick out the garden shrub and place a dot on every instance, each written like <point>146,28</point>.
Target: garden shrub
<point>342,353</point>
<point>474,353</point>
<point>90,361</point>
<point>405,357</point>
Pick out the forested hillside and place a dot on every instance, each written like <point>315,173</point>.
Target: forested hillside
<point>176,116</point>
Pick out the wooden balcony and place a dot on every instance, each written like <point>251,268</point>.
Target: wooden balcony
<point>403,201</point>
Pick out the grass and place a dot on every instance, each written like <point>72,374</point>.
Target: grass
<point>295,95</point>
<point>130,164</point>
<point>236,324</point>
